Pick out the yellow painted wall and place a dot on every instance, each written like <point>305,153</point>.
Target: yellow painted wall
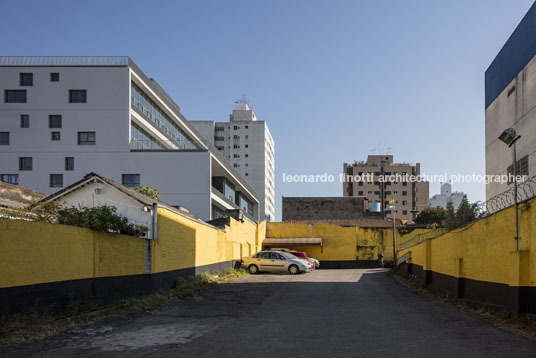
<point>184,243</point>
<point>34,252</point>
<point>341,243</point>
<point>486,249</point>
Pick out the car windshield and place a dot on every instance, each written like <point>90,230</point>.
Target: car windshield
<point>288,256</point>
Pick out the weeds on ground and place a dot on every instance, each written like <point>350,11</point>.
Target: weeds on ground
<point>40,323</point>
<point>524,325</point>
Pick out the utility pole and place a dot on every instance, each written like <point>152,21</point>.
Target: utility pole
<point>393,209</point>
<point>510,137</point>
<point>515,194</point>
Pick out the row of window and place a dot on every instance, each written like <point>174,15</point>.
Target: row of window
<point>404,183</point>
<point>26,163</point>
<point>56,180</point>
<point>157,116</point>
<point>360,193</point>
<point>26,79</point>
<point>21,96</point>
<point>84,138</point>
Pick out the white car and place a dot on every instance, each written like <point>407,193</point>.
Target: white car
<point>275,261</point>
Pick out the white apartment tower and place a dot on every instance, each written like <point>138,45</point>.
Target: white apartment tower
<point>64,117</point>
<point>249,147</point>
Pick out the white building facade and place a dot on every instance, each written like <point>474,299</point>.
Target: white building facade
<point>510,100</point>
<point>248,145</point>
<point>441,200</point>
<point>64,117</point>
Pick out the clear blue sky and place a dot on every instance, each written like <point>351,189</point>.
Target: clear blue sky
<point>333,79</point>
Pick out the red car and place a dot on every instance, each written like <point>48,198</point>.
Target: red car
<point>303,256</point>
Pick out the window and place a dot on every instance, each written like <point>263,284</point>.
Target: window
<point>131,180</point>
<point>236,165</point>
<point>247,146</point>
<point>77,96</point>
<point>360,183</point>
<point>54,121</point>
<point>10,178</point>
<point>236,127</point>
<point>25,121</point>
<point>246,164</point>
<point>360,193</point>
<point>4,138</point>
<point>404,212</point>
<point>404,202</point>
<point>236,156</point>
<point>247,136</point>
<point>237,146</point>
<point>25,163</point>
<point>247,127</point>
<point>220,129</point>
<point>54,77</point>
<point>404,193</point>
<point>26,79</point>
<point>15,96</point>
<point>404,183</point>
<point>218,138</point>
<point>522,168</point>
<point>86,138</point>
<point>56,180</point>
<point>247,155</point>
<point>220,147</point>
<point>55,136</point>
<point>69,163</point>
<point>376,193</point>
<point>387,193</point>
<point>246,174</point>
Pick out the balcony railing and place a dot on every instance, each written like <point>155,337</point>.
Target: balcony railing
<point>142,144</point>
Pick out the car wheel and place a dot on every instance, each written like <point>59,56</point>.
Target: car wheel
<point>293,270</point>
<point>253,269</point>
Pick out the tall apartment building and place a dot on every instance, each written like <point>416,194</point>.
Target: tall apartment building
<point>441,200</point>
<point>249,147</point>
<point>409,197</point>
<point>64,117</point>
<point>510,101</point>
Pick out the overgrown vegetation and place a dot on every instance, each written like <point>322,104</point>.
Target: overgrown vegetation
<point>99,218</point>
<point>449,218</point>
<point>523,325</point>
<point>148,191</point>
<point>39,323</point>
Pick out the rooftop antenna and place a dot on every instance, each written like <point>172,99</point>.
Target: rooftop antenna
<point>388,150</point>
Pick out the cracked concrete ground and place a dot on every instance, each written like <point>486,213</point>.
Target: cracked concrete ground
<point>327,313</point>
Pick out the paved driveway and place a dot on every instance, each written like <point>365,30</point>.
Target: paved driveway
<point>327,313</point>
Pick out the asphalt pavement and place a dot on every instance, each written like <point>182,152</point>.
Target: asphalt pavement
<point>326,313</point>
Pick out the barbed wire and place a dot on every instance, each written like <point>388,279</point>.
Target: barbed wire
<point>525,190</point>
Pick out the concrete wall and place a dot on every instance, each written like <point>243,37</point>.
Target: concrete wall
<point>318,208</point>
<point>343,247</point>
<point>479,263</point>
<point>48,264</point>
<point>513,107</point>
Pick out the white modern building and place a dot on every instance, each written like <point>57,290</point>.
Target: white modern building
<point>64,117</point>
<point>249,147</point>
<point>446,195</point>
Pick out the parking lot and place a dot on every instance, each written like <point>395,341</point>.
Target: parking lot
<point>326,313</point>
